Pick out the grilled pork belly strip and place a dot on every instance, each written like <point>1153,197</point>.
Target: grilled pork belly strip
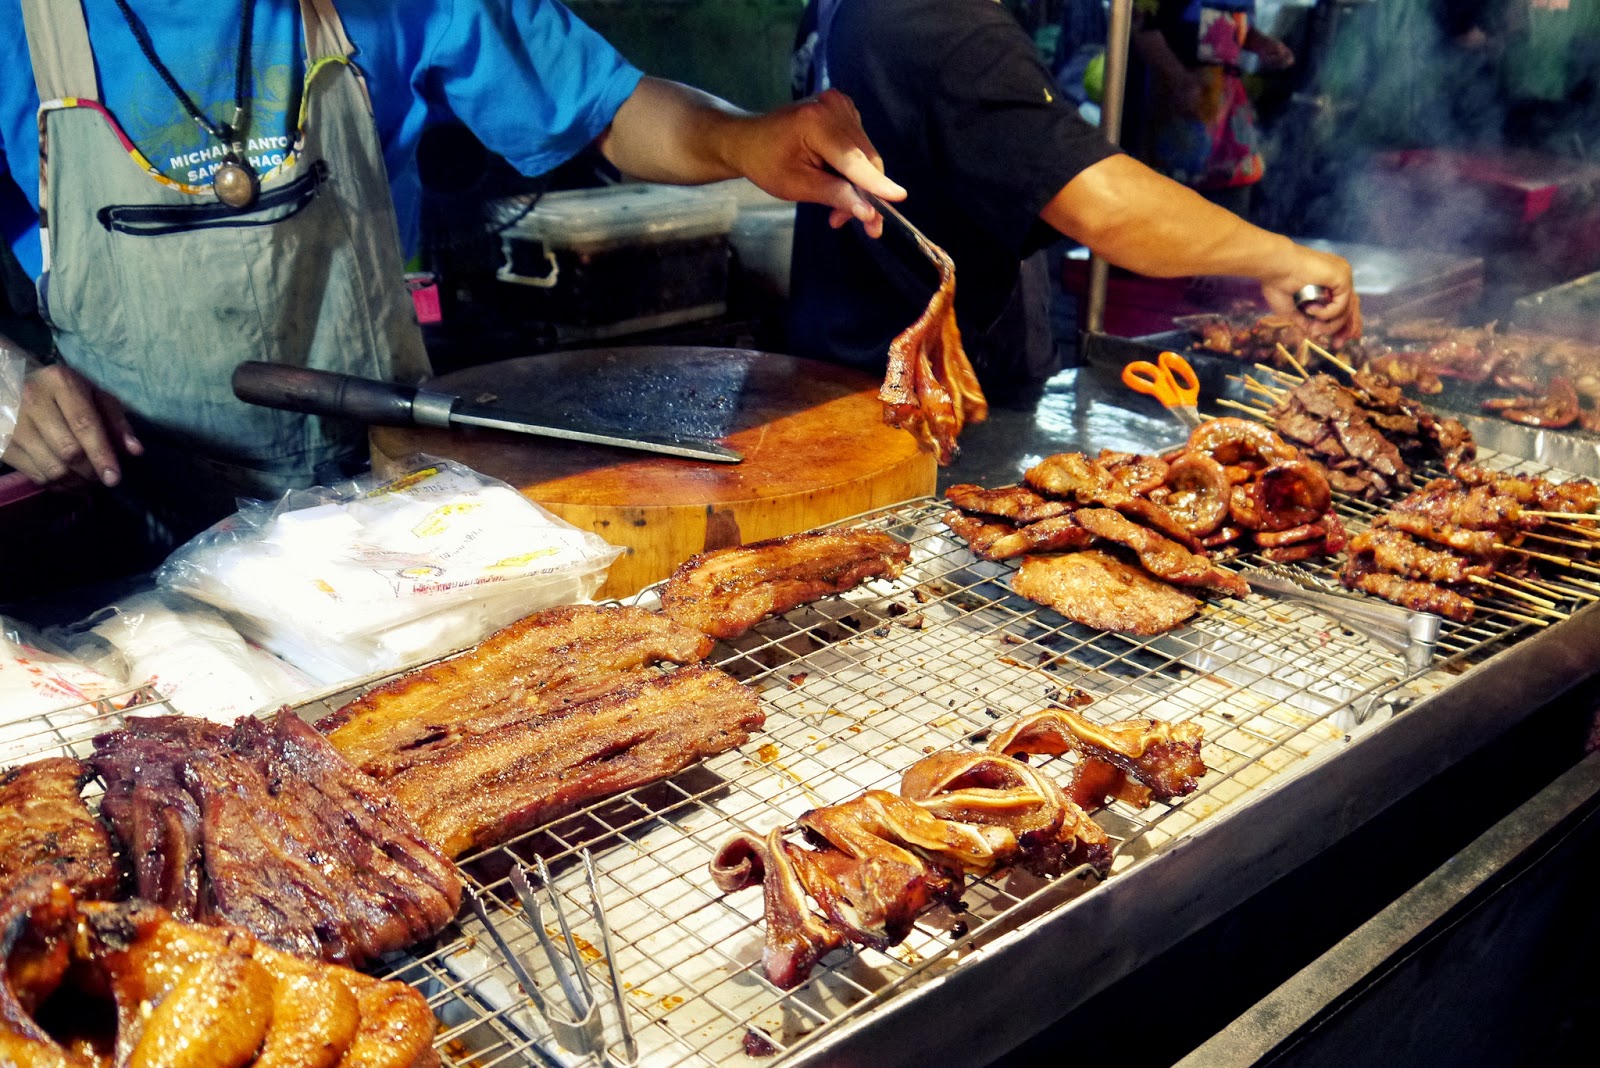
<point>297,846</point>
<point>1100,591</point>
<point>1018,504</point>
<point>46,826</point>
<point>495,785</point>
<point>553,658</point>
<point>725,592</point>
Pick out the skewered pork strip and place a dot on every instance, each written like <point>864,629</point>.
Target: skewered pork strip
<point>45,825</point>
<point>1396,552</point>
<point>725,592</point>
<point>548,660</point>
<point>498,784</point>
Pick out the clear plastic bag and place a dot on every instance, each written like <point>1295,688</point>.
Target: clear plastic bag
<point>48,696</point>
<point>368,576</point>
<point>13,372</point>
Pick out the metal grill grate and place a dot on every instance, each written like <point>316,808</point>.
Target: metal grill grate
<point>856,689</point>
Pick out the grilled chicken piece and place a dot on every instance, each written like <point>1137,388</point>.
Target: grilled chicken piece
<point>1100,591</point>
<point>725,592</point>
<point>529,669</point>
<point>1162,557</point>
<point>1017,504</point>
<point>45,825</point>
<point>1002,541</point>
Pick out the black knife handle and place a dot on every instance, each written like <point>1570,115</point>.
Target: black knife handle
<point>302,389</point>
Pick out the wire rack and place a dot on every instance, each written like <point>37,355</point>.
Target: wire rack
<point>857,688</point>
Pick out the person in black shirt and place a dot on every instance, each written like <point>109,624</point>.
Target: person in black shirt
<point>997,167</point>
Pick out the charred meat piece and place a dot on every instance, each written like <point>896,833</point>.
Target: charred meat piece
<point>297,846</point>
<point>150,808</point>
<point>1161,556</point>
<point>1445,502</point>
<point>1100,591</point>
<point>796,937</point>
<point>496,785</point>
<point>46,826</point>
<point>1074,475</point>
<point>1286,494</point>
<point>1326,399</point>
<point>544,662</point>
<point>1002,541</point>
<point>1539,494</point>
<point>1467,542</point>
<point>1163,757</point>
<point>1133,473</point>
<point>1052,833</point>
<point>725,592</point>
<point>1017,504</point>
<point>930,387</point>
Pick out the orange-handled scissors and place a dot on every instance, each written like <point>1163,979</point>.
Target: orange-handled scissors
<point>1169,380</point>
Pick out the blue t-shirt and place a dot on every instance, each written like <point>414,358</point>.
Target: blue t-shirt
<point>532,81</point>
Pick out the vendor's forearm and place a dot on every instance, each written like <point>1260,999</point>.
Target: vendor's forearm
<point>668,132</point>
<point>1140,220</point>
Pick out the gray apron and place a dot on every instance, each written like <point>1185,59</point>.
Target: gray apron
<point>156,294</point>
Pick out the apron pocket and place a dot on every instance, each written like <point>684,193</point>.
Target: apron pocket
<point>155,220</point>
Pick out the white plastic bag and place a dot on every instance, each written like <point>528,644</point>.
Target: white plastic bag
<point>366,577</point>
<point>13,373</point>
<point>47,697</point>
<point>192,657</point>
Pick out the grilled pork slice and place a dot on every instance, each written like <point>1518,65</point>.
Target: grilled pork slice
<point>1161,556</point>
<point>1100,591</point>
<point>1002,541</point>
<point>498,784</point>
<point>725,592</point>
<point>46,826</point>
<point>550,659</point>
<point>1018,504</point>
<point>303,850</point>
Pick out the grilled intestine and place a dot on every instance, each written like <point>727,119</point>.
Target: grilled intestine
<point>873,863</point>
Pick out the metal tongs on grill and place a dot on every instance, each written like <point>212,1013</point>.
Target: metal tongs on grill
<point>1413,634</point>
<point>577,1026</point>
<point>936,255</point>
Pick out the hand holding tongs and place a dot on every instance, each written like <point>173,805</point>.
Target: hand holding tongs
<point>1404,631</point>
<point>581,1030</point>
<point>1169,380</point>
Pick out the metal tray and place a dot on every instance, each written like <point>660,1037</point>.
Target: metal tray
<point>1310,731</point>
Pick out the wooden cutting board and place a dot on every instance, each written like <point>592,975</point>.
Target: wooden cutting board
<point>812,434</point>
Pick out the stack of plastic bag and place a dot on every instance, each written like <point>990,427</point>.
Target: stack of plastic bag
<point>193,659</point>
<point>363,578</point>
<point>49,700</point>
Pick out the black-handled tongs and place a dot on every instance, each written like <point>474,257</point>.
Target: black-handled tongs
<point>1414,634</point>
<point>938,256</point>
<point>578,1026</point>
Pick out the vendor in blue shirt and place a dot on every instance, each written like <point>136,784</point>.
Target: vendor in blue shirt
<point>231,182</point>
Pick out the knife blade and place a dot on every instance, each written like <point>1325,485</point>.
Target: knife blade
<point>328,393</point>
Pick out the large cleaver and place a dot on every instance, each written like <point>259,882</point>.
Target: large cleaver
<point>326,393</point>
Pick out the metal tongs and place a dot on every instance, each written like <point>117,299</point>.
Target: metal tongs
<point>1415,634</point>
<point>936,255</point>
<point>577,1026</point>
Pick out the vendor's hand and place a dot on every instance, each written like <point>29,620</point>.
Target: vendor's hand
<point>800,151</point>
<point>1273,53</point>
<point>69,430</point>
<point>1340,317</point>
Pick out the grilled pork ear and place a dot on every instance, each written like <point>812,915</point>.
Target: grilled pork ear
<point>796,937</point>
<point>1162,756</point>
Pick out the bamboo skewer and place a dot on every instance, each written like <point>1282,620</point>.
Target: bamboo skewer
<point>1552,558</point>
<point>1330,357</point>
<point>1562,541</point>
<point>1563,515</point>
<point>1517,616</point>
<point>1278,372</point>
<point>1305,376</point>
<point>1259,413</point>
<point>1256,387</point>
<point>1539,603</point>
<point>1543,586</point>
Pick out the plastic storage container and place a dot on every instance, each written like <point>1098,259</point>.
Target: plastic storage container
<point>598,263</point>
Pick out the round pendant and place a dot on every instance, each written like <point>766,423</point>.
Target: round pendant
<point>235,183</point>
